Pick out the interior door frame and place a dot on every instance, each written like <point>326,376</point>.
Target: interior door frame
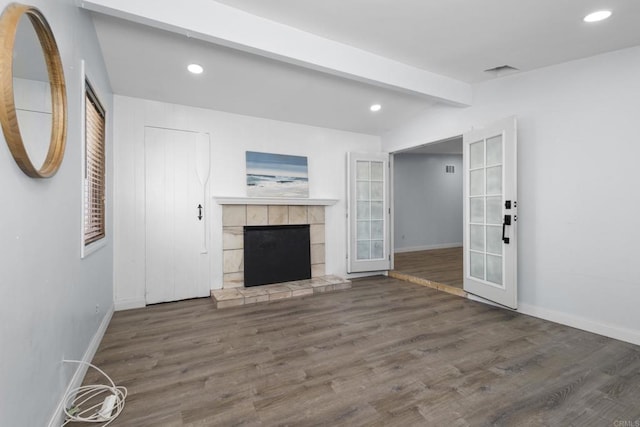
<point>391,189</point>
<point>393,207</point>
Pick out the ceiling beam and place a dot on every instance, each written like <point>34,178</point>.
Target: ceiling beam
<point>223,25</point>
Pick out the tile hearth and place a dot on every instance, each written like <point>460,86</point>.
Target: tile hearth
<point>234,297</point>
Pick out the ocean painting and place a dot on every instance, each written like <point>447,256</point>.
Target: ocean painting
<point>276,175</point>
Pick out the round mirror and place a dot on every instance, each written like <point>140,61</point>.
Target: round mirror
<point>32,91</point>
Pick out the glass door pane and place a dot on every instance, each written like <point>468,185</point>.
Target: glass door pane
<point>370,210</point>
<point>485,206</point>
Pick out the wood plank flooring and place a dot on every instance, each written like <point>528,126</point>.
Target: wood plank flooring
<point>384,353</point>
<point>443,266</point>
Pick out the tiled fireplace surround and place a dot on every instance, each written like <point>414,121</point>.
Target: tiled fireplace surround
<point>235,217</point>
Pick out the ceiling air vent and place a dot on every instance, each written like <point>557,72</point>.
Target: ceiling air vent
<point>450,169</point>
<point>502,69</point>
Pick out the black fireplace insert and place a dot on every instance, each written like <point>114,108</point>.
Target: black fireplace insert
<point>276,253</point>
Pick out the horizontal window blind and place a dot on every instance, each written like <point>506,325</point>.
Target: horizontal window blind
<point>94,212</point>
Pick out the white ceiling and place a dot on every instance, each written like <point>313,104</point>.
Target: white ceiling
<point>149,63</point>
<point>453,38</point>
<point>462,38</point>
<point>448,146</point>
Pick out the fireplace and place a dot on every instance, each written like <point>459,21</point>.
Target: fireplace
<point>237,217</point>
<point>276,253</point>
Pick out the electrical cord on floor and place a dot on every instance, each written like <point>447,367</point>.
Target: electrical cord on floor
<point>105,411</point>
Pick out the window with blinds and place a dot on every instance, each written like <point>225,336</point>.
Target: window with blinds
<point>94,173</point>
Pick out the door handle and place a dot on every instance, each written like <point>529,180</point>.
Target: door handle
<point>505,222</point>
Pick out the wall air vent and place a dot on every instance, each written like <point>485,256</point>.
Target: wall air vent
<point>501,70</point>
<point>450,169</point>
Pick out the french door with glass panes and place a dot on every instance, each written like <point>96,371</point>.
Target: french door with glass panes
<point>368,212</point>
<point>490,213</point>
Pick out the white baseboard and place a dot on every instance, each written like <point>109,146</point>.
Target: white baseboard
<point>428,247</point>
<point>608,330</point>
<point>611,331</point>
<point>128,304</point>
<point>81,369</point>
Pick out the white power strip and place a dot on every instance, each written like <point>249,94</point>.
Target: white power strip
<point>107,407</point>
<point>79,406</point>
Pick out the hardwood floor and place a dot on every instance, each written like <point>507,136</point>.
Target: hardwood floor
<point>438,265</point>
<point>384,353</point>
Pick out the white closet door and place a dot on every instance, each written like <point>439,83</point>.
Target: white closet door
<point>177,263</point>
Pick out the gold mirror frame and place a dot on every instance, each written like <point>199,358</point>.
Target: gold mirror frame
<point>8,27</point>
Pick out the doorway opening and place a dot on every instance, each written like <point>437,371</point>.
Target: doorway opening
<point>489,211</point>
<point>428,215</point>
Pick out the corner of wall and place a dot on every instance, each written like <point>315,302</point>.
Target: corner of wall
<point>58,415</point>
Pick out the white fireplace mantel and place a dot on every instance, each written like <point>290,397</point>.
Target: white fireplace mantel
<point>223,200</point>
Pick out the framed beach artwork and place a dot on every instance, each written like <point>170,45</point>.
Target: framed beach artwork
<point>276,175</point>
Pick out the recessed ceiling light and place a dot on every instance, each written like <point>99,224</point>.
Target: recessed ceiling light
<point>375,107</point>
<point>597,16</point>
<point>195,68</point>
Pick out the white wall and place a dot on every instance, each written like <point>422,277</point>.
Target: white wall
<point>577,182</point>
<point>231,136</point>
<point>427,201</point>
<point>52,302</point>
